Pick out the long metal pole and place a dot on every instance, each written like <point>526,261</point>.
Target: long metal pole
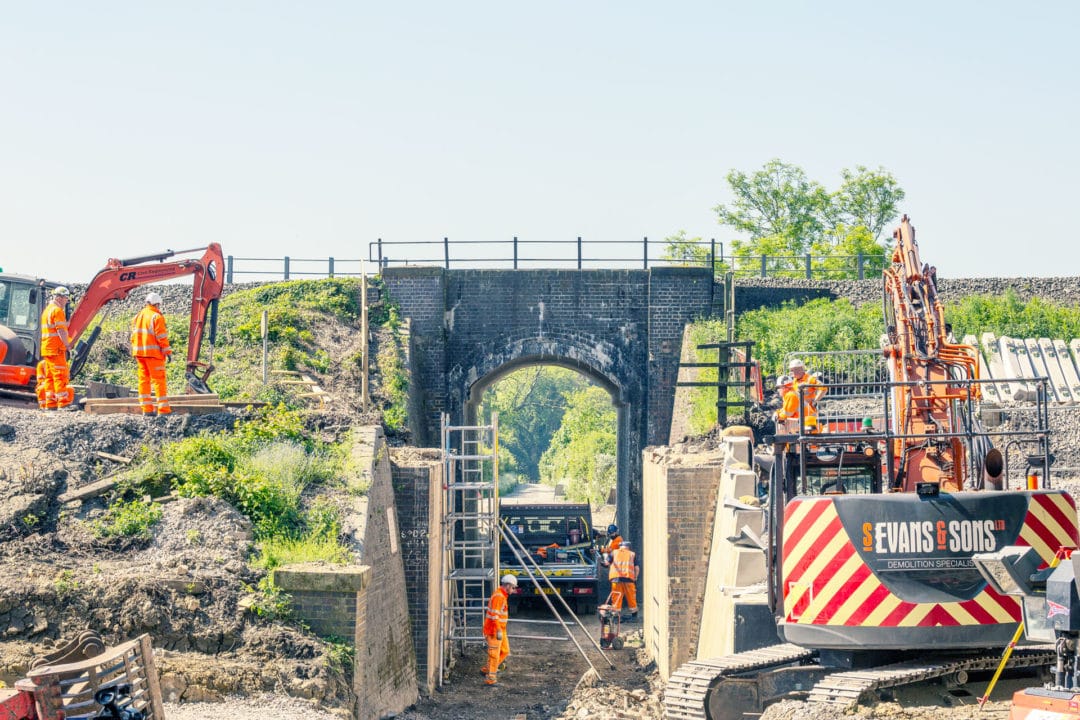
<point>505,531</point>
<point>365,398</point>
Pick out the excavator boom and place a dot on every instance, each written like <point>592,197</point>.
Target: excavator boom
<point>116,281</point>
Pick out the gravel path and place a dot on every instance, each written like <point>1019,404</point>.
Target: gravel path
<point>262,707</point>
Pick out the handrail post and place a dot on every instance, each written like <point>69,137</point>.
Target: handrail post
<point>645,250</point>
<point>579,252</point>
<point>515,252</point>
<point>379,243</point>
<point>712,256</point>
<point>228,270</point>
<point>862,274</point>
<point>331,267</point>
<point>808,266</point>
<point>286,267</point>
<point>446,251</point>
<point>763,261</point>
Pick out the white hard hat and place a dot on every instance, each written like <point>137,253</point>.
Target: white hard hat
<point>509,580</point>
<point>61,291</point>
<point>152,298</point>
<point>783,380</point>
<point>796,363</point>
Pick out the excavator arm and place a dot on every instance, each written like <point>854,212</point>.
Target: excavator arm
<point>922,360</point>
<point>120,277</point>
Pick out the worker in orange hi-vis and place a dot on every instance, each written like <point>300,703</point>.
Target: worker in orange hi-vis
<point>498,645</point>
<point>55,391</point>
<point>623,575</point>
<point>150,348</point>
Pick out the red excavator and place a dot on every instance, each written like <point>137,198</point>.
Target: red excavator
<point>23,298</point>
<point>873,521</point>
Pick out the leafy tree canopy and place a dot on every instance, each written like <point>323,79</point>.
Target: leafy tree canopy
<point>530,403</point>
<point>788,215</point>
<point>583,450</point>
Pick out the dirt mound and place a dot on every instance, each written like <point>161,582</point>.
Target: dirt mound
<point>183,585</point>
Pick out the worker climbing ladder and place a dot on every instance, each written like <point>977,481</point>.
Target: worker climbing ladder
<point>470,534</point>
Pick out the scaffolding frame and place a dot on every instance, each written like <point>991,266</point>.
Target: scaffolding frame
<point>470,535</point>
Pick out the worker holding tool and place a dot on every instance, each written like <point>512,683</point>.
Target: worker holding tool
<point>623,575</point>
<point>614,540</point>
<point>54,375</point>
<point>498,645</point>
<point>150,348</point>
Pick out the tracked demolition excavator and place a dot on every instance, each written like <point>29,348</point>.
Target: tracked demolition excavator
<point>872,528</point>
<point>23,298</point>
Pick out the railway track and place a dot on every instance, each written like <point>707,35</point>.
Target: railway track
<point>711,689</point>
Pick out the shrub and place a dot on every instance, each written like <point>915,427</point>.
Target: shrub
<point>128,519</point>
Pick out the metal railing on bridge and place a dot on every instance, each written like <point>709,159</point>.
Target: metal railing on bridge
<point>580,254</point>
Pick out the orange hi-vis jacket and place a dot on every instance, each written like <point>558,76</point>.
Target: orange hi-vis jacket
<point>623,565</point>
<point>498,612</point>
<point>613,543</point>
<point>149,337</point>
<point>53,320</point>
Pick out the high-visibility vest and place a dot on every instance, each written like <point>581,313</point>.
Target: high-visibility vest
<point>53,320</point>
<point>149,337</point>
<point>622,565</point>
<point>498,612</point>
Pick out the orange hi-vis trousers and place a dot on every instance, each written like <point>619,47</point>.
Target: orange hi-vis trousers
<point>152,374</point>
<point>626,588</point>
<point>497,651</point>
<point>55,390</point>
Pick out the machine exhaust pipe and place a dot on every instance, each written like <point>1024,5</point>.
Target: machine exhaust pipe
<point>993,467</point>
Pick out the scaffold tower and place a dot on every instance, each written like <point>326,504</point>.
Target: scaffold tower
<point>470,534</point>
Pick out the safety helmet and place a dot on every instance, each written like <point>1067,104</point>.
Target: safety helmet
<point>612,529</point>
<point>61,291</point>
<point>509,579</point>
<point>868,422</point>
<point>796,364</point>
<point>627,544</point>
<point>783,380</point>
<point>152,298</point>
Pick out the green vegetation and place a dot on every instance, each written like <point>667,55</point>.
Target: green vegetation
<point>787,215</point>
<point>391,366</point>
<point>822,325</point>
<point>265,468</point>
<point>583,449</point>
<point>1008,315</point>
<point>132,518</point>
<point>301,314</point>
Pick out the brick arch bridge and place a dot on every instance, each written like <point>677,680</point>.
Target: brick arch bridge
<point>621,328</point>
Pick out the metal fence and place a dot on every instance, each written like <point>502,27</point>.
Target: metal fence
<point>579,254</point>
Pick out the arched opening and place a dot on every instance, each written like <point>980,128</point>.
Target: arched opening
<point>561,423</point>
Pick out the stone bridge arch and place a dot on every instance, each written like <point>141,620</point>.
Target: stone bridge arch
<point>573,356</point>
<point>622,328</point>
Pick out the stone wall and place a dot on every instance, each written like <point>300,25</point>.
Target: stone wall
<point>621,328</point>
<point>385,672</point>
<point>418,493</point>
<point>680,487</point>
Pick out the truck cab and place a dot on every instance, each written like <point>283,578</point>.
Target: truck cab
<point>559,539</point>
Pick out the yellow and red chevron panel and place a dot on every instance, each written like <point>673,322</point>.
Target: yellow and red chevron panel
<point>898,561</point>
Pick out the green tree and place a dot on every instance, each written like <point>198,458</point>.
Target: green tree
<point>583,450</point>
<point>786,215</point>
<point>530,403</point>
<point>681,250</point>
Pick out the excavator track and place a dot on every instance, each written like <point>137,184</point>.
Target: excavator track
<point>846,689</point>
<point>688,687</point>
<point>687,691</point>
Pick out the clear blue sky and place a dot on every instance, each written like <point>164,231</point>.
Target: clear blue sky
<point>310,129</point>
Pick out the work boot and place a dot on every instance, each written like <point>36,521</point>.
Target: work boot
<point>491,683</point>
